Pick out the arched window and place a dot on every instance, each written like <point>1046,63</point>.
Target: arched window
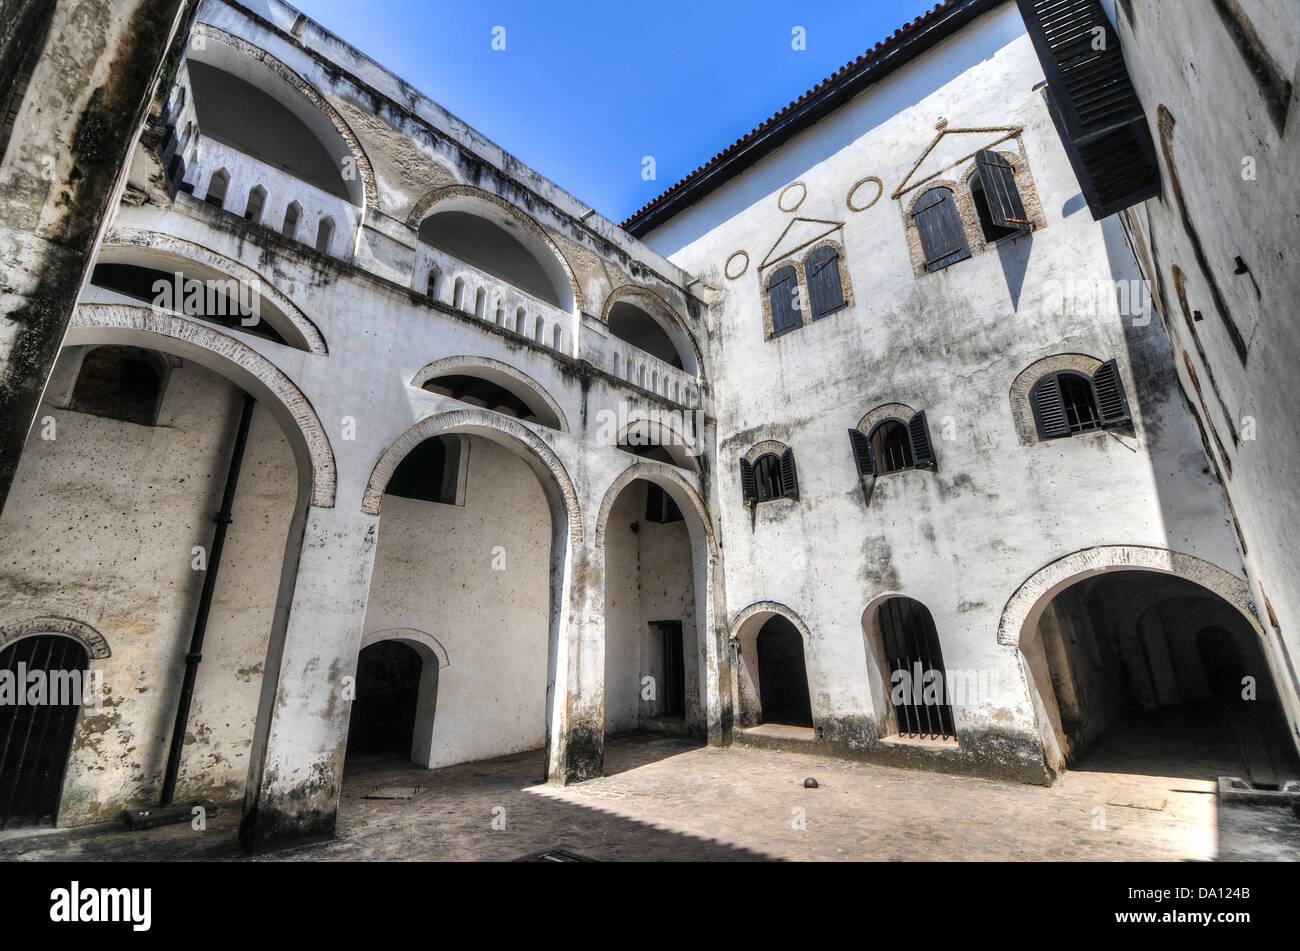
<point>918,689</point>
<point>291,215</point>
<point>943,240</point>
<point>557,337</point>
<point>119,383</point>
<point>480,303</point>
<point>431,287</point>
<point>324,235</point>
<point>997,201</point>
<point>256,202</point>
<point>822,274</point>
<point>521,316</point>
<point>217,186</point>
<point>783,296</point>
<point>1068,402</point>
<point>769,477</point>
<point>892,446</point>
<point>539,330</point>
<point>458,294</point>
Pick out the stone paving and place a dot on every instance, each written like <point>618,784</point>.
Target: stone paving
<point>666,799</point>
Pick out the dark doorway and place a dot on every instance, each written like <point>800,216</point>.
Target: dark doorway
<point>388,690</point>
<point>917,687</point>
<point>36,737</point>
<point>673,701</point>
<point>782,676</point>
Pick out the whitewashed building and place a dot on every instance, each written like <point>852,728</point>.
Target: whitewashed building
<point>867,437</point>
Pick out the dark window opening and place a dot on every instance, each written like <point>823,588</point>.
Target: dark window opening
<point>633,325</point>
<point>1080,408</point>
<point>822,273</point>
<point>891,447</point>
<point>490,248</point>
<point>290,229</point>
<point>996,197</point>
<point>648,450</point>
<point>918,686</point>
<point>783,296</point>
<point>217,185</point>
<point>480,392</point>
<point>1066,403</point>
<point>382,722</point>
<point>256,201</point>
<point>427,473</point>
<point>782,675</point>
<point>35,739</point>
<point>767,470</point>
<point>123,383</point>
<point>769,477</point>
<point>217,300</point>
<point>660,507</point>
<point>992,231</point>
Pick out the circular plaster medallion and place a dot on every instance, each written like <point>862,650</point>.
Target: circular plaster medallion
<point>783,203</point>
<point>870,179</point>
<point>743,267</point>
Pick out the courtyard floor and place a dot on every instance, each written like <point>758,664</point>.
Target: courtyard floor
<point>666,799</point>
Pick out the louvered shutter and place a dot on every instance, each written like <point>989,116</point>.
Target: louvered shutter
<point>922,449</point>
<point>943,241</point>
<point>781,293</point>
<point>748,484</point>
<point>822,272</point>
<point>1111,401</point>
<point>789,479</point>
<point>1049,408</point>
<point>999,181</point>
<point>861,452</point>
<point>1093,103</point>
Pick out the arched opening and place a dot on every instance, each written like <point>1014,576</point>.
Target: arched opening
<point>131,510</point>
<point>891,446</point>
<point>324,235</point>
<point>905,643</point>
<point>1144,672</point>
<point>488,245</point>
<point>123,383</point>
<point>498,392</point>
<point>654,632</point>
<point>256,202</point>
<point>268,121</point>
<point>291,216</point>
<point>429,472</point>
<point>477,574</point>
<point>636,326</point>
<point>217,185</point>
<point>382,723</point>
<point>36,734</point>
<point>782,674</point>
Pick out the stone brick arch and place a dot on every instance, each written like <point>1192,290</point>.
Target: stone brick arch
<point>1022,411</point>
<point>671,481</point>
<point>303,88</point>
<point>667,436</point>
<point>492,367</point>
<point>543,243</point>
<point>239,363</point>
<point>773,446</point>
<point>150,248</point>
<point>503,430</point>
<point>654,304</point>
<point>95,643</point>
<point>743,631</point>
<point>1026,605</point>
<point>764,610</point>
<point>899,411</point>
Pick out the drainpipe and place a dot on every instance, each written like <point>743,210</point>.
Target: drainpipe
<point>205,604</point>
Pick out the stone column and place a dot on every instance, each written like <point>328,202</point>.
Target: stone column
<point>296,768</point>
<point>576,730</point>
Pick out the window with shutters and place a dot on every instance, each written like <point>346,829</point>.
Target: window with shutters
<point>770,476</point>
<point>939,226</point>
<point>783,298</point>
<point>1067,402</point>
<point>996,197</point>
<point>822,275</point>
<point>892,445</point>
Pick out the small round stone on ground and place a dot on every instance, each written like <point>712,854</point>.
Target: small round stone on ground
<point>810,783</point>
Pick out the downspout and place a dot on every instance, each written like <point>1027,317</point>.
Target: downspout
<point>223,519</point>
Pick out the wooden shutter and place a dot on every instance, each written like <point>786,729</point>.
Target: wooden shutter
<point>999,181</point>
<point>822,272</point>
<point>1093,104</point>
<point>943,240</point>
<point>748,484</point>
<point>862,452</point>
<point>1049,408</point>
<point>781,294</point>
<point>1112,404</point>
<point>789,479</point>
<point>922,448</point>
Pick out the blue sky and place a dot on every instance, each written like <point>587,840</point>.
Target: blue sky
<point>585,89</point>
